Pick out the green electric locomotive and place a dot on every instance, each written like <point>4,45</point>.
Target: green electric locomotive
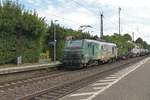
<point>82,52</point>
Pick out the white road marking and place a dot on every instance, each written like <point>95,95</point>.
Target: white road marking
<point>114,75</point>
<point>96,84</point>
<point>97,88</point>
<point>106,80</point>
<point>134,67</point>
<point>110,77</point>
<point>82,94</point>
<point>119,73</point>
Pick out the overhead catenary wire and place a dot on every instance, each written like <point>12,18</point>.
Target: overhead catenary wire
<point>65,19</point>
<point>106,19</point>
<point>83,6</point>
<point>58,16</point>
<point>97,14</point>
<point>101,11</point>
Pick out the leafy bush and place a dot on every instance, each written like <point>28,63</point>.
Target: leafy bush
<point>21,33</point>
<point>121,41</point>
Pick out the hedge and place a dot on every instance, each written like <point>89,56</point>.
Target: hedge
<point>21,33</point>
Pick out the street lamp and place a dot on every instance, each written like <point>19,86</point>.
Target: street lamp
<point>55,40</point>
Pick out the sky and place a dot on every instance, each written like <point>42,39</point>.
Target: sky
<point>135,15</point>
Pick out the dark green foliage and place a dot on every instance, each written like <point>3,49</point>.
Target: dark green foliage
<point>141,43</point>
<point>61,34</point>
<point>21,33</point>
<point>127,37</point>
<point>139,40</point>
<point>122,42</point>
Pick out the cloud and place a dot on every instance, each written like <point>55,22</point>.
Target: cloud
<point>134,13</point>
<point>31,1</point>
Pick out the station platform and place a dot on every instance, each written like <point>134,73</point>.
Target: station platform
<point>23,68</point>
<point>131,83</point>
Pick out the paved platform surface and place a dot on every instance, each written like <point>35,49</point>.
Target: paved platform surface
<point>27,68</point>
<point>132,83</point>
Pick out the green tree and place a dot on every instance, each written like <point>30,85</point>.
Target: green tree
<point>21,33</point>
<point>141,43</point>
<point>139,40</point>
<point>122,42</point>
<point>145,45</point>
<point>127,37</point>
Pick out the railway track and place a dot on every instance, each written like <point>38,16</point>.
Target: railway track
<point>16,88</point>
<point>52,87</point>
<point>14,83</point>
<point>7,78</point>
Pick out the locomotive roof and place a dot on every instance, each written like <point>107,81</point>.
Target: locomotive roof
<point>107,43</point>
<point>96,41</point>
